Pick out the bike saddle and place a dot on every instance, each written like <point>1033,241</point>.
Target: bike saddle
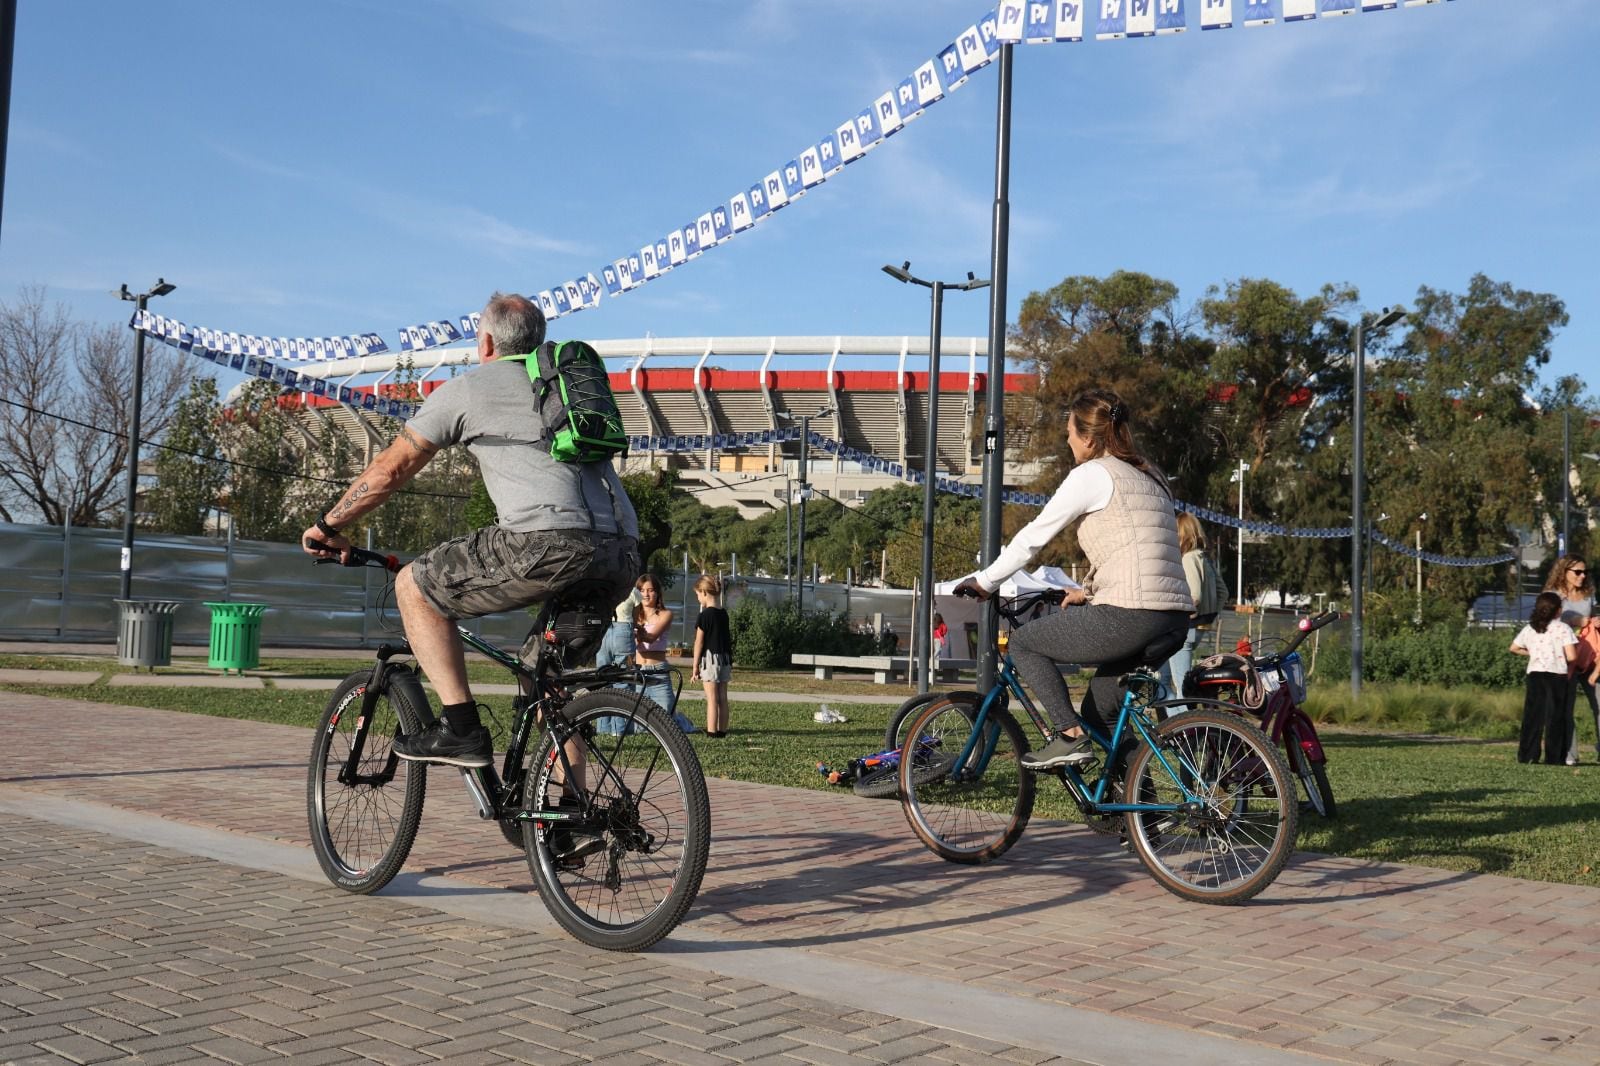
<point>577,620</point>
<point>1160,650</point>
<point>1216,675</point>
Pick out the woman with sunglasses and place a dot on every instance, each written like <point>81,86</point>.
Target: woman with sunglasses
<point>1569,579</point>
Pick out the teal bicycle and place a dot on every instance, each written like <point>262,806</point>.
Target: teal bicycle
<point>1199,794</point>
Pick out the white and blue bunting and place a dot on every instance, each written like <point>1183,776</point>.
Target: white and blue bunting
<point>847,142</point>
<point>183,337</point>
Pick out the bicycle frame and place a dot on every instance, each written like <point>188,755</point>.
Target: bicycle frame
<point>494,796</point>
<point>1131,722</point>
<point>1282,714</point>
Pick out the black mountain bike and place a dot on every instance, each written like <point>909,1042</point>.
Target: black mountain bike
<point>609,800</point>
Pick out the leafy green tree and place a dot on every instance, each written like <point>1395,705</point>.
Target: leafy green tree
<point>1454,432</point>
<point>191,469</point>
<point>1280,391</point>
<point>1123,332</point>
<point>259,440</point>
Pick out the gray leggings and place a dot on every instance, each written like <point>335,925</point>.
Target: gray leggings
<point>1093,635</point>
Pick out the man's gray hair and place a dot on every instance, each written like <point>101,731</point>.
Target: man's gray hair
<point>515,323</point>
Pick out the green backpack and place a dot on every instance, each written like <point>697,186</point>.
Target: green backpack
<point>570,385</point>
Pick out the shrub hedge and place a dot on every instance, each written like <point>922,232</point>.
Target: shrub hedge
<point>766,634</point>
<point>1446,655</point>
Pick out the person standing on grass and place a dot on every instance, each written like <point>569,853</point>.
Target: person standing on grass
<point>1551,647</point>
<point>1569,579</point>
<point>651,620</point>
<point>1585,677</point>
<point>713,654</point>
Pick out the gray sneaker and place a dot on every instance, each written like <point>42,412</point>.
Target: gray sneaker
<point>1062,751</point>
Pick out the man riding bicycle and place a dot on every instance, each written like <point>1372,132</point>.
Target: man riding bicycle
<point>558,523</point>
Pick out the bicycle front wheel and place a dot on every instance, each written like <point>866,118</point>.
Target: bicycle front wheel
<point>1236,840</point>
<point>894,736</point>
<point>624,877</point>
<point>969,811</point>
<point>1313,777</point>
<point>363,811</point>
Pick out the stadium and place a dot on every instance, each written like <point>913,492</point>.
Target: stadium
<point>875,391</point>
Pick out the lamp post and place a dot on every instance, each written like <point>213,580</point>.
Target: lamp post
<point>8,45</point>
<point>805,494</point>
<point>1238,476</point>
<point>1423,517</point>
<point>136,408</point>
<point>930,463</point>
<point>1566,480</point>
<point>1374,324</point>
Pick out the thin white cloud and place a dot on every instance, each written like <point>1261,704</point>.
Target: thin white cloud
<point>24,134</point>
<point>457,223</point>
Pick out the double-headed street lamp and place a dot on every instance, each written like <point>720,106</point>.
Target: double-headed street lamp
<point>930,464</point>
<point>1374,324</point>
<point>161,288</point>
<point>805,493</point>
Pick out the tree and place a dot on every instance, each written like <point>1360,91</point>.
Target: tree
<point>1126,333</point>
<point>1280,391</point>
<point>1454,431</point>
<point>56,369</point>
<point>190,468</point>
<point>258,439</point>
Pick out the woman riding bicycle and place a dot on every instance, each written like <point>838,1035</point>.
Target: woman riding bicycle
<point>1135,593</point>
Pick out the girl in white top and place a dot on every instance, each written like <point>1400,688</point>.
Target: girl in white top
<point>1550,646</point>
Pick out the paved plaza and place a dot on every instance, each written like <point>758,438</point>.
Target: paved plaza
<point>160,901</point>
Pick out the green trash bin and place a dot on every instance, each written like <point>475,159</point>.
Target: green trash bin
<point>144,632</point>
<point>235,636</point>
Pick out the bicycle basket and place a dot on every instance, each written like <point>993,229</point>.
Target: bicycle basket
<point>1290,671</point>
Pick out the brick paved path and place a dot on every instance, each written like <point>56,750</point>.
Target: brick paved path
<point>1360,962</point>
<point>115,948</point>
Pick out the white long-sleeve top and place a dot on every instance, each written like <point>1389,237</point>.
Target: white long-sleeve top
<point>1085,490</point>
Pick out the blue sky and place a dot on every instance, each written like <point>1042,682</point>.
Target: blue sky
<point>346,166</point>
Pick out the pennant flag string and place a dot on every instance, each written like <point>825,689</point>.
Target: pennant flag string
<point>187,338</point>
<point>839,146</point>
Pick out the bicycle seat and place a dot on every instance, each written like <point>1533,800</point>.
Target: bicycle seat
<point>1160,650</point>
<point>1215,675</point>
<point>579,617</point>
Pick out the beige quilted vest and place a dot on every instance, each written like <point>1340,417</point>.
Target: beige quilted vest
<point>1132,545</point>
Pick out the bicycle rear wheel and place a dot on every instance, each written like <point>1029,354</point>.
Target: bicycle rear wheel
<point>363,825</point>
<point>970,813</point>
<point>650,827</point>
<point>1236,844</point>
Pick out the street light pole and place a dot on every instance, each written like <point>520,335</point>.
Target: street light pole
<point>1358,484</point>
<point>1566,480</point>
<point>136,410</point>
<point>994,427</point>
<point>1239,564</point>
<point>930,463</point>
<point>805,494</point>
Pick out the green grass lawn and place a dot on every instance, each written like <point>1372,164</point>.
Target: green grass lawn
<point>1460,803</point>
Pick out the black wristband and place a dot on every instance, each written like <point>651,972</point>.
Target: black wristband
<point>327,530</point>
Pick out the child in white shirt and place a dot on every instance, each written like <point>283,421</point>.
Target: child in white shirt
<point>1550,646</point>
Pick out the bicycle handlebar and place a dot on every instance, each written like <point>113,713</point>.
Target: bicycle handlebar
<point>358,557</point>
<point>1018,605</point>
<point>1309,626</point>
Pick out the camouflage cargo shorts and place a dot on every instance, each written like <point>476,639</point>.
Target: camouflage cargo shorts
<point>493,569</point>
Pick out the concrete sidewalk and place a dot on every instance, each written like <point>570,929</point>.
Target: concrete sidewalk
<point>1064,947</point>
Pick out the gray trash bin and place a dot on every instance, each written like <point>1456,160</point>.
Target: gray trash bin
<point>144,632</point>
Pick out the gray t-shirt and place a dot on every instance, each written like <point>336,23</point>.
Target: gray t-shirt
<point>491,410</point>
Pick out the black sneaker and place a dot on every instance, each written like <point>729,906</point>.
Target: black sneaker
<point>572,846</point>
<point>438,744</point>
<point>1061,751</point>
